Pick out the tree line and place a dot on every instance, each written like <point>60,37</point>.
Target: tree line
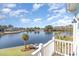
<point>46,28</point>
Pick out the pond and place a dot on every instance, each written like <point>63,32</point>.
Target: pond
<point>12,40</point>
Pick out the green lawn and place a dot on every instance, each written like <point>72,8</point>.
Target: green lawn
<point>15,51</point>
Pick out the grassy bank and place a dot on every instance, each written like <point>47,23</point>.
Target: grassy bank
<point>66,38</point>
<point>15,51</point>
<point>61,36</point>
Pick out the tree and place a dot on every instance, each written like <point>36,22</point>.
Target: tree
<point>2,28</point>
<point>25,37</point>
<point>10,26</point>
<point>48,28</point>
<point>37,28</point>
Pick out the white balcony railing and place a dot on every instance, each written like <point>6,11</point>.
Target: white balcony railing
<point>55,46</point>
<point>44,50</point>
<point>38,52</point>
<point>63,47</point>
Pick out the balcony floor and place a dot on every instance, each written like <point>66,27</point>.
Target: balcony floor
<point>55,54</point>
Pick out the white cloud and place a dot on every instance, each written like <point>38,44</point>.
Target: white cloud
<point>52,17</point>
<point>63,22</point>
<point>48,15</point>
<point>57,10</point>
<point>37,19</point>
<point>2,17</point>
<point>9,5</point>
<point>24,20</point>
<point>18,12</point>
<point>54,6</point>
<point>63,10</point>
<point>58,14</point>
<point>36,6</point>
<point>6,10</point>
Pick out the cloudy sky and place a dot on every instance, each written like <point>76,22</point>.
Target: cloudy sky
<point>32,14</point>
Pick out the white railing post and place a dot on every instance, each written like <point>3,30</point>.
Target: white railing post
<point>42,51</point>
<point>68,50</point>
<point>65,48</point>
<point>71,49</point>
<point>39,51</point>
<point>62,47</point>
<point>53,43</point>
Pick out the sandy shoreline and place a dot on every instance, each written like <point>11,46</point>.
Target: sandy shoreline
<point>3,33</point>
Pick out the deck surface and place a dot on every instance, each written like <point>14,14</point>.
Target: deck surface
<point>55,54</point>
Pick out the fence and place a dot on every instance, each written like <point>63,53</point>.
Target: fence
<point>44,50</point>
<point>61,47</point>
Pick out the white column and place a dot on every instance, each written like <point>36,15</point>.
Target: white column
<point>74,38</point>
<point>77,39</point>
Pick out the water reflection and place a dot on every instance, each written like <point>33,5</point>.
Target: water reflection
<point>48,32</point>
<point>0,36</point>
<point>36,32</point>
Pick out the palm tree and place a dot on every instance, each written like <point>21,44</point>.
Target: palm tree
<point>25,37</point>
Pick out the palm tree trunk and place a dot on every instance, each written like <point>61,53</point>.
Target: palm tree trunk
<point>25,45</point>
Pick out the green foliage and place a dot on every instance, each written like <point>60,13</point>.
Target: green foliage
<point>10,26</point>
<point>25,37</point>
<point>32,29</point>
<point>3,27</point>
<point>48,28</point>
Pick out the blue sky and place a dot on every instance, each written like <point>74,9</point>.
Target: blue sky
<point>33,14</point>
